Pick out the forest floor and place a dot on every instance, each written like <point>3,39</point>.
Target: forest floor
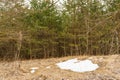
<point>109,69</point>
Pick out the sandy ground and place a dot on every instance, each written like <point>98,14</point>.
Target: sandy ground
<point>20,70</point>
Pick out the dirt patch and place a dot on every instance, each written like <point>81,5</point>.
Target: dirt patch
<point>20,70</point>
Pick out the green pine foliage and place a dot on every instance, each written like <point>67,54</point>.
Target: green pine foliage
<point>77,27</point>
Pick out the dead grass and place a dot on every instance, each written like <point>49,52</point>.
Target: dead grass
<point>20,70</point>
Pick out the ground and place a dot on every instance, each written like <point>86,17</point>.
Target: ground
<point>109,69</point>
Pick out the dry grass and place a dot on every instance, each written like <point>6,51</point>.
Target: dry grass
<point>20,70</point>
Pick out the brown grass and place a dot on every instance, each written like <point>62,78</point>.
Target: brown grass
<point>20,70</point>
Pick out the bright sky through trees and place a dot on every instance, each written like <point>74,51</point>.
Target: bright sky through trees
<point>59,2</point>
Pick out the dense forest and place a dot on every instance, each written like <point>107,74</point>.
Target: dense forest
<point>50,28</point>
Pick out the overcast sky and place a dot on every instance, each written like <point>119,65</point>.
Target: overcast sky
<point>27,3</point>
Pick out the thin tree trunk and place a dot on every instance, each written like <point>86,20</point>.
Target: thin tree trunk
<point>117,42</point>
<point>87,35</point>
<point>45,54</point>
<point>111,45</point>
<point>19,44</point>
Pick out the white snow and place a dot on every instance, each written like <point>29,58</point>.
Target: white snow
<point>48,67</point>
<point>33,69</point>
<point>77,65</point>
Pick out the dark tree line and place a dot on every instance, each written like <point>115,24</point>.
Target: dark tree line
<point>76,27</point>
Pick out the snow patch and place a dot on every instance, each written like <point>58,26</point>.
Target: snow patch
<point>33,69</point>
<point>48,67</point>
<point>77,65</point>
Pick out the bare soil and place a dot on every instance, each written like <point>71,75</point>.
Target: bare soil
<point>20,70</point>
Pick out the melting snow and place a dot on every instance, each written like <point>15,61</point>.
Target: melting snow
<point>48,67</point>
<point>33,69</point>
<point>78,66</point>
